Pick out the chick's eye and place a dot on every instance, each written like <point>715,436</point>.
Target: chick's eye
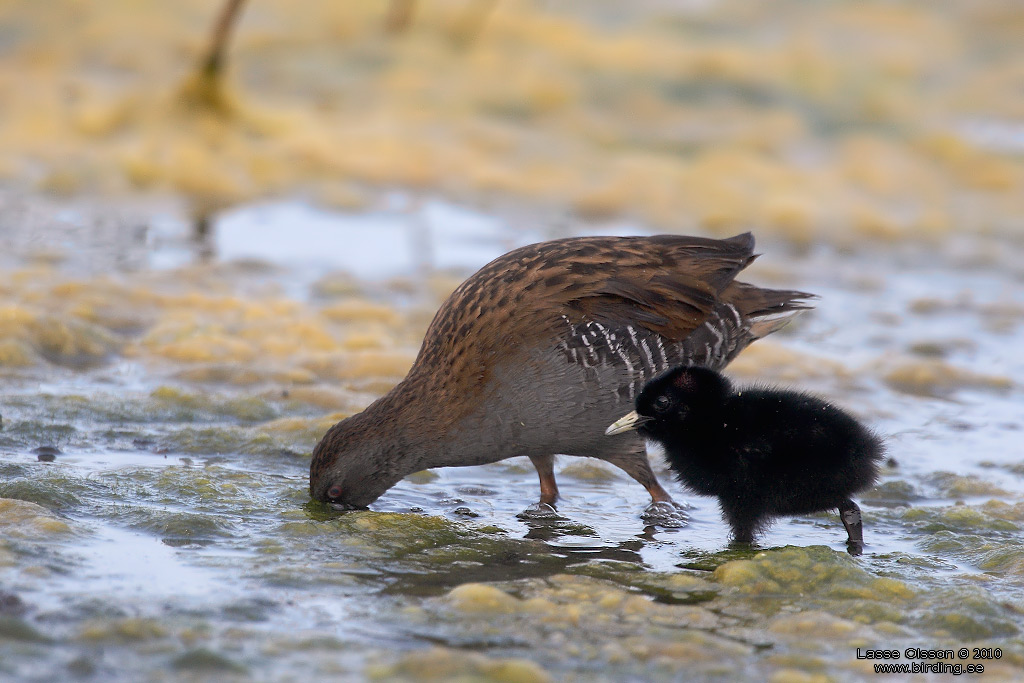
<point>334,492</point>
<point>662,403</point>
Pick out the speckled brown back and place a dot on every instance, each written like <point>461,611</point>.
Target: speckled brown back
<point>666,284</point>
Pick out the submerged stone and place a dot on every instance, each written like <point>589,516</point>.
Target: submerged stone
<point>11,605</point>
<point>961,519</point>
<point>815,571</point>
<point>24,519</point>
<point>891,493</point>
<point>71,342</point>
<point>128,630</point>
<point>13,628</point>
<point>481,598</point>
<point>203,660</point>
<point>16,353</point>
<point>178,528</point>
<point>589,470</point>
<point>938,378</point>
<point>1003,510</point>
<point>443,664</point>
<point>423,477</point>
<point>953,485</point>
<point>817,625</point>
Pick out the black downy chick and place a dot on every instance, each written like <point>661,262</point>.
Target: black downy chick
<point>762,452</point>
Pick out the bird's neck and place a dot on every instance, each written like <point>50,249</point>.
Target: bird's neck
<point>424,432</point>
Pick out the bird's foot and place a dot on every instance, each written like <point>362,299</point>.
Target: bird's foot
<point>666,514</point>
<point>540,511</point>
<point>849,513</point>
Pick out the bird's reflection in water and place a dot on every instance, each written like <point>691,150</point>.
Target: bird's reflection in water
<point>202,243</point>
<point>550,547</point>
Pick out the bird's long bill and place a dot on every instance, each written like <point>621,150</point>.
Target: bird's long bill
<point>625,423</point>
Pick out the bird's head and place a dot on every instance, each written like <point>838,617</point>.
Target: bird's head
<point>353,464</point>
<point>670,400</point>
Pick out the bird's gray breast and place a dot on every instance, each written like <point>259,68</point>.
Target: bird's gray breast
<point>561,399</point>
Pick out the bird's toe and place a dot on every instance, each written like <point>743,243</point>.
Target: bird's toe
<point>540,511</point>
<point>666,514</point>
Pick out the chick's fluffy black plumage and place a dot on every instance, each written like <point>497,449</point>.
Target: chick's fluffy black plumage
<point>762,452</point>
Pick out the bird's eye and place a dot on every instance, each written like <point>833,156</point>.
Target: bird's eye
<point>662,403</point>
<point>334,492</point>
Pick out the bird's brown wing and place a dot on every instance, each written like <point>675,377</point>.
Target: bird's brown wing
<point>670,286</point>
<point>666,288</point>
<point>669,301</point>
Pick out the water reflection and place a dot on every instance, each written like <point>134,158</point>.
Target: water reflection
<point>407,237</point>
<point>516,561</point>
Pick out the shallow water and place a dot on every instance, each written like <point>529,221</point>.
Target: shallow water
<point>185,381</point>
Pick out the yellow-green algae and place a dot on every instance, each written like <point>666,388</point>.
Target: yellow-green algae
<point>14,629</point>
<point>814,603</point>
<point>937,378</point>
<point>952,485</point>
<point>667,117</point>
<point>589,470</point>
<point>53,493</point>
<point>23,519</point>
<point>815,571</point>
<point>203,660</point>
<point>123,630</point>
<point>444,664</point>
<point>958,519</point>
<point>439,548</point>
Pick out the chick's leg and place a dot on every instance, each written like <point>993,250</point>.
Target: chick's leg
<point>850,514</point>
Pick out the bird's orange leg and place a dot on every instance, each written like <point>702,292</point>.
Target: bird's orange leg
<point>545,465</point>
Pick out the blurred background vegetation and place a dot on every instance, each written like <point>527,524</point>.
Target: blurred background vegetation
<point>837,120</point>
